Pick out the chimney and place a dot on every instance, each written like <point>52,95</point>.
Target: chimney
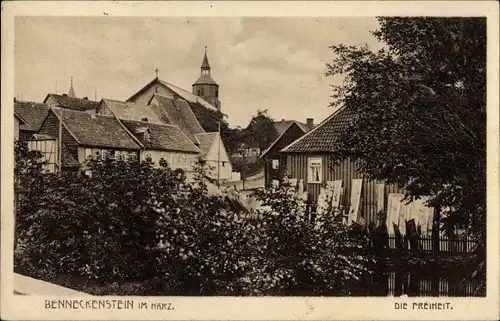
<point>310,122</point>
<point>144,119</point>
<point>15,99</point>
<point>86,98</point>
<point>65,95</point>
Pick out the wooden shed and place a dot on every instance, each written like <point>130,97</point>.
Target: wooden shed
<point>309,158</point>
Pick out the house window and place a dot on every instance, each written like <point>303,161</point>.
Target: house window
<point>275,163</point>
<point>104,154</point>
<point>200,92</point>
<point>88,153</point>
<point>314,172</point>
<point>118,155</point>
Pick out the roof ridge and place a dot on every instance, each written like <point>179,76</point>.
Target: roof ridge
<point>148,122</point>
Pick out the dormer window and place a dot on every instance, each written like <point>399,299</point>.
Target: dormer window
<point>146,135</point>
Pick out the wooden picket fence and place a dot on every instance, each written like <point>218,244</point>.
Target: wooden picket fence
<point>414,284</point>
<point>457,245</point>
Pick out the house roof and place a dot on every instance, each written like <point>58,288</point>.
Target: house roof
<point>73,103</point>
<point>322,138</point>
<point>283,125</point>
<point>206,141</point>
<point>305,129</point>
<point>180,114</point>
<point>21,120</point>
<point>188,96</point>
<point>32,113</point>
<point>96,130</point>
<point>132,111</point>
<point>161,137</point>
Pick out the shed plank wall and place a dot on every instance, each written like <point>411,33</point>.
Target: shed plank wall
<point>345,171</point>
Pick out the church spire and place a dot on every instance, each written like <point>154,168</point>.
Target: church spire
<point>71,92</point>
<point>205,66</point>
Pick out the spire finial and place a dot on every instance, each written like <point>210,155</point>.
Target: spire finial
<point>156,71</point>
<point>205,65</point>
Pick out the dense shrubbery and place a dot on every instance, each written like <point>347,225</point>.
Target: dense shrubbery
<point>130,221</point>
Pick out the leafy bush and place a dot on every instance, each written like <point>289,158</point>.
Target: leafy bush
<point>301,256</point>
<point>103,225</point>
<point>132,221</point>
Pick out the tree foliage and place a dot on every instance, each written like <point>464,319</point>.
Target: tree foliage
<point>419,112</point>
<point>260,132</point>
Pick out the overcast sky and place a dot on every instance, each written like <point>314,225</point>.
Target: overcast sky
<point>259,63</point>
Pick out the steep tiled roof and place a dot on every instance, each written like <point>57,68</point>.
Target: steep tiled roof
<point>161,137</point>
<point>132,111</point>
<point>96,130</point>
<point>283,125</point>
<point>206,141</point>
<point>322,137</point>
<point>180,114</point>
<point>32,113</point>
<point>73,103</point>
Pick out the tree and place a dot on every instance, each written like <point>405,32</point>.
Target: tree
<point>260,132</point>
<point>232,138</point>
<point>418,109</point>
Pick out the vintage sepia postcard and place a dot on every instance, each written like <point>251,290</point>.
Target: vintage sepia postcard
<point>277,160</point>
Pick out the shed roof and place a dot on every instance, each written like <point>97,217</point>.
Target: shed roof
<point>161,137</point>
<point>322,138</point>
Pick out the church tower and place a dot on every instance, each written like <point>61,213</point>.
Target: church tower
<point>205,86</point>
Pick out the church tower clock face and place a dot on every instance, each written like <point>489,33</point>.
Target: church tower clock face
<point>206,87</point>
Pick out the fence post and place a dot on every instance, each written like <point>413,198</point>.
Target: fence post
<point>435,230</point>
